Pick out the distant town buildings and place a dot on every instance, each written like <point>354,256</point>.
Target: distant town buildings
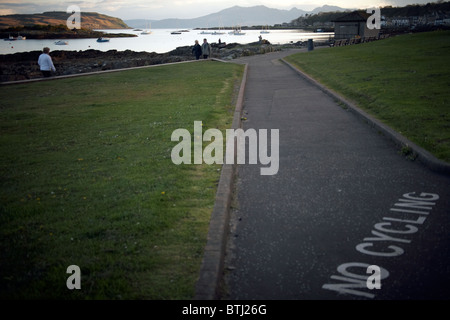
<point>409,17</point>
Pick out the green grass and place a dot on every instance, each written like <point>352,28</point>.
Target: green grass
<point>403,81</point>
<point>87,179</point>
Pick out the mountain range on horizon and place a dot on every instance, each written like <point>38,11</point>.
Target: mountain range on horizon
<point>233,16</point>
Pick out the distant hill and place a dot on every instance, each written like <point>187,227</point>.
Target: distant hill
<point>89,20</point>
<point>327,8</point>
<point>243,16</point>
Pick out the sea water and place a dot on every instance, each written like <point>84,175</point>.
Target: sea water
<point>160,40</point>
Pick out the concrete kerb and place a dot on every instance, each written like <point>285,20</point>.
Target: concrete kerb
<point>419,153</point>
<point>208,283</point>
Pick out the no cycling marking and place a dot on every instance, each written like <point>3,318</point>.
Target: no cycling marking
<point>386,241</point>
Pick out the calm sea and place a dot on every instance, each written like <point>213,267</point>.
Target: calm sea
<point>159,41</point>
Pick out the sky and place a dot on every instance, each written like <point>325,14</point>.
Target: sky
<point>162,9</point>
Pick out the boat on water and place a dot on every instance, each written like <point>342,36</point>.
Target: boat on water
<point>236,32</point>
<point>265,31</point>
<point>11,38</point>
<point>147,31</point>
<point>62,43</point>
<point>221,29</point>
<point>219,32</point>
<point>103,39</point>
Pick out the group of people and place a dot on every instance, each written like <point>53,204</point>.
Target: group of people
<point>47,67</point>
<point>202,50</point>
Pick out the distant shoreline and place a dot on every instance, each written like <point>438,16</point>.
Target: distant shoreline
<point>58,34</point>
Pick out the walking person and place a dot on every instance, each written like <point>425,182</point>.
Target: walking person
<point>197,50</point>
<point>45,63</point>
<point>206,49</point>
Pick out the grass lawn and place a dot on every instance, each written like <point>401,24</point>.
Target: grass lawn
<point>87,179</point>
<point>403,81</point>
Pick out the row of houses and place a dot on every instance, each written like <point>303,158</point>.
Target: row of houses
<point>353,24</point>
<point>415,21</point>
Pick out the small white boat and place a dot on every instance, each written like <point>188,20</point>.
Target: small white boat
<point>237,32</point>
<point>147,31</point>
<point>265,30</point>
<point>103,39</point>
<point>61,43</point>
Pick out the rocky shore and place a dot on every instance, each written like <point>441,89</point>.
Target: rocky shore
<point>23,66</point>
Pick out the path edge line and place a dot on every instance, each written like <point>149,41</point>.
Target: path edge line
<point>208,283</point>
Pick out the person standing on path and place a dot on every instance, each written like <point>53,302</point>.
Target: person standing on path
<point>197,50</point>
<point>45,63</point>
<point>206,49</point>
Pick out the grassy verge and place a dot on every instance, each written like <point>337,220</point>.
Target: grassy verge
<point>87,179</point>
<point>402,81</point>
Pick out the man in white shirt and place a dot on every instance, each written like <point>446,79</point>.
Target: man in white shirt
<point>46,64</point>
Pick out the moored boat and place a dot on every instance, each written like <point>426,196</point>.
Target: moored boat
<point>19,37</point>
<point>148,30</point>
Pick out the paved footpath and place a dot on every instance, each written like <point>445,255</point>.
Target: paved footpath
<point>343,199</point>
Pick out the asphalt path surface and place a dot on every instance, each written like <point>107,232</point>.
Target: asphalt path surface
<point>343,199</point>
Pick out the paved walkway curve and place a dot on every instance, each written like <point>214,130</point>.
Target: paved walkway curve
<point>343,199</point>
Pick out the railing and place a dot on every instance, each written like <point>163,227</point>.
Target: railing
<point>351,41</point>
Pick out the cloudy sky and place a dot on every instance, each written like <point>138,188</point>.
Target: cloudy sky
<point>161,9</point>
